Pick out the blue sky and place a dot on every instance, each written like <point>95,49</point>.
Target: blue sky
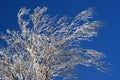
<point>108,40</point>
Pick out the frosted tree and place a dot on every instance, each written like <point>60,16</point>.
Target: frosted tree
<point>47,47</point>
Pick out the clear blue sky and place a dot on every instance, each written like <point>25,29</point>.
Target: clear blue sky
<point>108,40</point>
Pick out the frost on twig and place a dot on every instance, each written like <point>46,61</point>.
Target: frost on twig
<point>50,48</point>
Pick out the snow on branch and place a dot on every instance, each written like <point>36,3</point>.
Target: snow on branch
<point>50,48</point>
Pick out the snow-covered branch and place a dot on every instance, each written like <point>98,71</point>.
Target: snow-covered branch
<point>50,48</point>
